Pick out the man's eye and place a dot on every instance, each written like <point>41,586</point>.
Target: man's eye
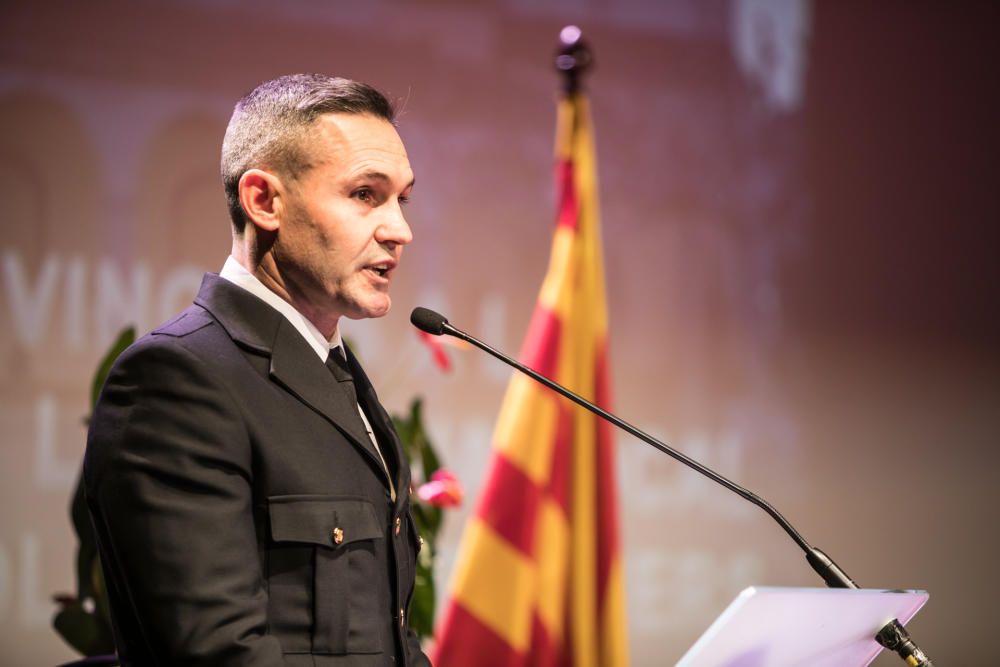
<point>364,194</point>
<point>404,199</point>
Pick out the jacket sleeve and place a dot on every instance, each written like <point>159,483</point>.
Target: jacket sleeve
<point>168,476</point>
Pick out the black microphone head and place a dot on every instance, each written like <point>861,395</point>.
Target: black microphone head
<point>427,320</point>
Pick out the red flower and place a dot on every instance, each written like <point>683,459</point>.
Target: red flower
<point>444,490</point>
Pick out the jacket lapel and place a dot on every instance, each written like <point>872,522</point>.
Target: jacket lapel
<point>294,365</point>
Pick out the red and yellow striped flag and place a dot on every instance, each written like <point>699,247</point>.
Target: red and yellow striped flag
<point>539,579</point>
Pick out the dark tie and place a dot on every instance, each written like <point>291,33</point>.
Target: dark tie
<point>337,364</point>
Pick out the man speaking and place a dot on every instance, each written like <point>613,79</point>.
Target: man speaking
<point>249,493</point>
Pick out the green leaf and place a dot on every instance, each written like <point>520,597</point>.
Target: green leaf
<point>103,606</point>
<point>83,630</point>
<point>424,596</point>
<point>428,519</point>
<point>125,338</point>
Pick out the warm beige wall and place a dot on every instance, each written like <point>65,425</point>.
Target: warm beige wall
<point>800,278</point>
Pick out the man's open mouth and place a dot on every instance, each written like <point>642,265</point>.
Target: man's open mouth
<point>381,270</point>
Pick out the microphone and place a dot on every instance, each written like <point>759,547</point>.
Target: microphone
<point>892,636</point>
<point>428,321</point>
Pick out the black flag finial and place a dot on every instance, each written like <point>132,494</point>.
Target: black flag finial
<point>573,57</point>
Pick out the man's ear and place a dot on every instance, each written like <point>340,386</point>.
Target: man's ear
<point>261,197</point>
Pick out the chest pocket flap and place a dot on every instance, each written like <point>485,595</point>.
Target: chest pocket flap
<point>323,520</point>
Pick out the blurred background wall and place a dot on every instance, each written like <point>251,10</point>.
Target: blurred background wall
<point>800,217</point>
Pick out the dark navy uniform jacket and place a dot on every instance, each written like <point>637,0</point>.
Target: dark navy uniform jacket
<point>242,512</point>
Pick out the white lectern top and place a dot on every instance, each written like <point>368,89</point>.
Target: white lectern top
<point>812,627</point>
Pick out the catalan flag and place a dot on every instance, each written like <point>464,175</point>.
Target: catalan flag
<point>539,579</point>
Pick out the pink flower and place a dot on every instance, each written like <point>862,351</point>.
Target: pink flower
<point>444,490</point>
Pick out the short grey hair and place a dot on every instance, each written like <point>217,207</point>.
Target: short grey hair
<point>269,124</point>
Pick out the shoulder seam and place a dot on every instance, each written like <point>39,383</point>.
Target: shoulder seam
<point>184,324</point>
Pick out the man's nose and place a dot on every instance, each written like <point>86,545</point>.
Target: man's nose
<point>393,228</point>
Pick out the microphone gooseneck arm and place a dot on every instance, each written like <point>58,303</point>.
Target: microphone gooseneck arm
<point>893,636</point>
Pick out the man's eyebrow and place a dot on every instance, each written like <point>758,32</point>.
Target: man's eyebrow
<point>379,176</point>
